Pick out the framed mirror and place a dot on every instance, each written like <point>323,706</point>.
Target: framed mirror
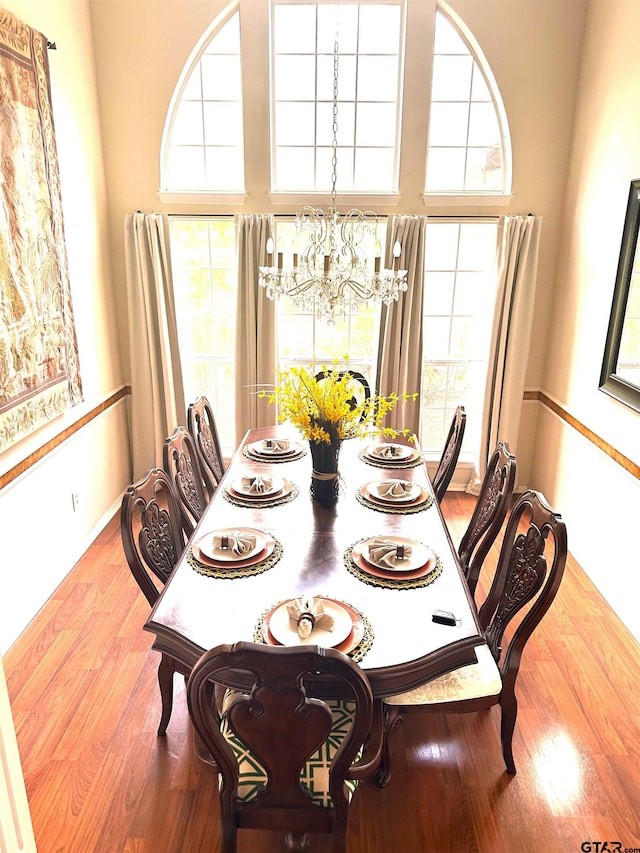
<point>620,375</point>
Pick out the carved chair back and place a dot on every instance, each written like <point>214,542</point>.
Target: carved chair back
<point>201,423</point>
<point>182,465</point>
<point>151,531</point>
<point>281,727</point>
<point>489,513</point>
<point>153,541</point>
<point>450,454</point>
<point>528,574</point>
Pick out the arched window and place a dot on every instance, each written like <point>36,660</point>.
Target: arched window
<point>468,148</point>
<point>387,49</point>
<point>202,147</point>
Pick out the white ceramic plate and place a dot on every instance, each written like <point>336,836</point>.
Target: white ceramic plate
<point>209,549</point>
<point>414,492</point>
<point>419,557</point>
<point>375,451</point>
<point>277,485</point>
<point>285,630</point>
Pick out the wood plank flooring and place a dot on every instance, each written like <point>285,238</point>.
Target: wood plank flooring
<point>82,681</point>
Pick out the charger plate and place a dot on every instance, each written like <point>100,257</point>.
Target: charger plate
<point>289,492</point>
<point>260,562</point>
<point>419,504</point>
<point>208,551</point>
<point>355,645</point>
<point>236,488</point>
<point>366,572</point>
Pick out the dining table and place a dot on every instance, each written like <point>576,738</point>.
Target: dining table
<point>380,562</point>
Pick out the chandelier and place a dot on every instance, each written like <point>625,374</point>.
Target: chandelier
<point>332,276</point>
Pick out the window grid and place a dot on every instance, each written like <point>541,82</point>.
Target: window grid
<point>305,163</point>
<point>465,149</point>
<point>205,148</point>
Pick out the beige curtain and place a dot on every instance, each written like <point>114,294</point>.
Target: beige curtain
<point>255,325</point>
<point>517,267</point>
<point>399,360</point>
<point>157,394</point>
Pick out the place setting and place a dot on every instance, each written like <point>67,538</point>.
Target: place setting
<point>274,450</point>
<point>260,490</point>
<point>394,496</point>
<point>234,552</point>
<point>393,562</point>
<point>391,455</point>
<point>317,621</point>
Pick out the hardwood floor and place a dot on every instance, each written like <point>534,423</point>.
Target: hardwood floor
<point>82,681</point>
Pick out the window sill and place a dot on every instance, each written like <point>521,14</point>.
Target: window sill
<point>222,199</point>
<point>467,200</point>
<point>363,200</point>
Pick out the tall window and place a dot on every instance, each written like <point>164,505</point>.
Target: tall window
<point>203,258</point>
<point>306,339</point>
<point>459,296</point>
<point>368,96</point>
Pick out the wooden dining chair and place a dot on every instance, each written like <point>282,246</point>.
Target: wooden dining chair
<point>287,761</point>
<point>182,466</point>
<point>489,513</point>
<point>450,454</point>
<point>153,542</point>
<point>530,568</point>
<point>201,423</point>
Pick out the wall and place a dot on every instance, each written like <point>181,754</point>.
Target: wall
<point>42,535</point>
<point>598,498</point>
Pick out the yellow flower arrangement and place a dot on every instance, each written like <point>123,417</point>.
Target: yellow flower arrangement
<point>326,409</point>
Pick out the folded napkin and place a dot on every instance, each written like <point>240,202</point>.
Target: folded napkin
<point>308,613</point>
<point>394,488</point>
<point>387,451</point>
<point>275,445</point>
<point>387,552</point>
<point>256,485</point>
<point>238,542</point>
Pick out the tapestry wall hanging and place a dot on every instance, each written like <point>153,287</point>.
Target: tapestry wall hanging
<point>39,372</point>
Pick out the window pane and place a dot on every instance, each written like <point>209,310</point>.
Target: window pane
<point>224,167</point>
<point>294,29</point>
<point>376,125</point>
<point>374,169</point>
<point>294,124</point>
<point>185,168</point>
<point>449,124</point>
<point>295,78</point>
<point>346,123</point>
<point>188,125</point>
<point>445,169</point>
<point>294,165</point>
<point>379,29</point>
<point>222,123</point>
<point>451,78</point>
<point>378,78</point>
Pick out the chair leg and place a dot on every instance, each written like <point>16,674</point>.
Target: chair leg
<point>392,719</point>
<point>509,710</point>
<point>165,682</point>
<point>296,843</point>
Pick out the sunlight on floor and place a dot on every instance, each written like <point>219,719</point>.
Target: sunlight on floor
<point>559,769</point>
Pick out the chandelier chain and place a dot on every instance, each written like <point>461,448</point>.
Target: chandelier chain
<point>332,276</point>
